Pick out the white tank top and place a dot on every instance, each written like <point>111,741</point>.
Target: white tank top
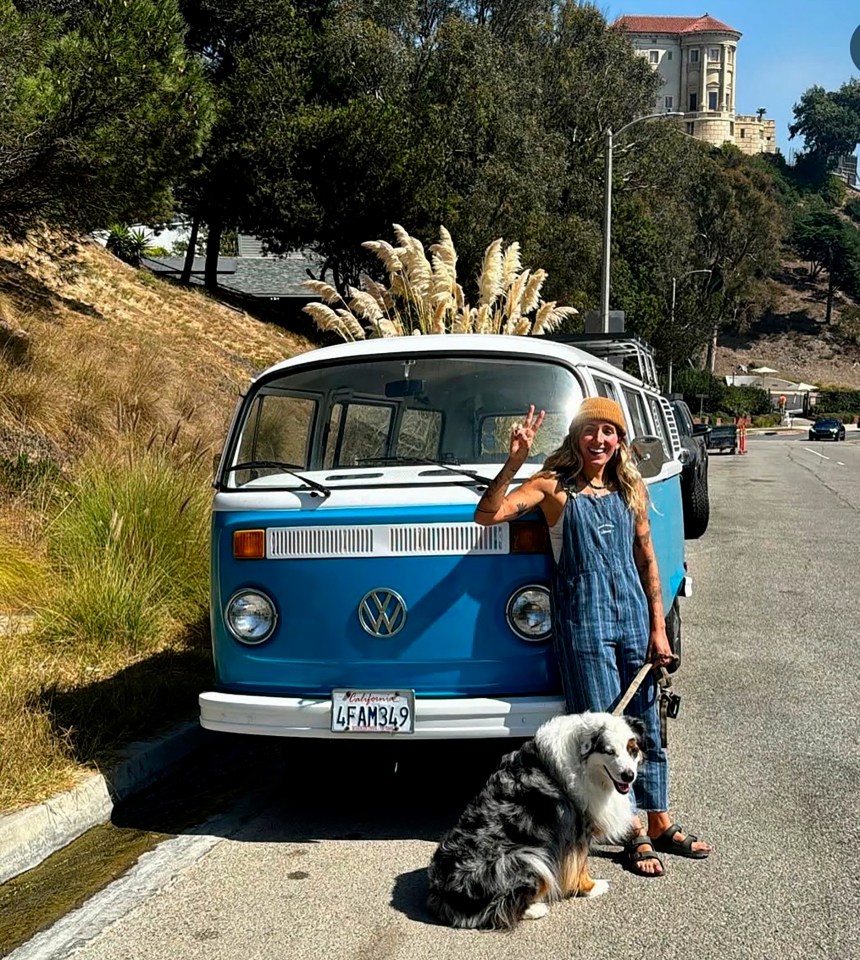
<point>556,534</point>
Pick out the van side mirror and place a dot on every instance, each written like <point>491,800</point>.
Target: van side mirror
<point>701,429</point>
<point>649,456</point>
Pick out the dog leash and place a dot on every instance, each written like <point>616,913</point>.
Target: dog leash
<point>670,702</point>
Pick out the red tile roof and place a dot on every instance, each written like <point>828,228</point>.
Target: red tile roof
<point>703,24</point>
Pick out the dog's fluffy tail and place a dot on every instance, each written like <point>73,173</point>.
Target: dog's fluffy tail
<point>498,900</point>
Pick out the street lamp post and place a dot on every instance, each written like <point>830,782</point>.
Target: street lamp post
<point>672,314</point>
<point>607,210</point>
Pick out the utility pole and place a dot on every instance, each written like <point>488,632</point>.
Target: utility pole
<point>607,210</point>
<point>672,314</point>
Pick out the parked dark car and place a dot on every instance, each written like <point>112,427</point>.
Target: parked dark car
<point>827,428</point>
<point>722,437</point>
<point>694,474</point>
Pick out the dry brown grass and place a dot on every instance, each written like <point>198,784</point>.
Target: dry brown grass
<point>65,712</point>
<point>793,338</point>
<point>96,357</point>
<point>109,343</point>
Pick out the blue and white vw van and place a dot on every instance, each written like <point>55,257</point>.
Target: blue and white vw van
<point>353,596</point>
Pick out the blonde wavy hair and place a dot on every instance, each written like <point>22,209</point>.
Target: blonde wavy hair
<point>565,463</point>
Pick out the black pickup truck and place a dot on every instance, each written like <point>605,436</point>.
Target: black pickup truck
<point>723,437</point>
<point>694,473</point>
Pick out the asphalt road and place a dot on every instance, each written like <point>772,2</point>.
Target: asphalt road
<point>323,856</point>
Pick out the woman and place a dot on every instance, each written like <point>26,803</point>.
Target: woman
<point>606,590</point>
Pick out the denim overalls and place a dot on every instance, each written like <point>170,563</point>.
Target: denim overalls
<point>601,626</point>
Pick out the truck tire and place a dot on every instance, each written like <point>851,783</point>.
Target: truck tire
<point>697,509</point>
<point>673,632</point>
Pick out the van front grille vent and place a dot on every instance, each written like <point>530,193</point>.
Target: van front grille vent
<point>386,540</point>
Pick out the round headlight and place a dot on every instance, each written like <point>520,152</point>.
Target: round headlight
<point>529,613</point>
<point>251,616</point>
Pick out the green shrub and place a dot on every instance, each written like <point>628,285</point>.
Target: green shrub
<point>129,245</point>
<point>832,401</point>
<point>719,396</point>
<point>852,208</point>
<point>130,547</point>
<point>846,416</point>
<point>108,602</point>
<point>833,190</point>
<point>750,400</point>
<point>767,420</point>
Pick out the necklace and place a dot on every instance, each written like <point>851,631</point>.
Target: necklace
<point>595,486</point>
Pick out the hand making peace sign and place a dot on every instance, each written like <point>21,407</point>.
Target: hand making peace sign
<point>523,435</point>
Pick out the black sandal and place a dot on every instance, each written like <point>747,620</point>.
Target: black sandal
<point>666,843</point>
<point>633,855</point>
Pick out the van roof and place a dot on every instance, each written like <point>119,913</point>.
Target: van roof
<point>537,347</point>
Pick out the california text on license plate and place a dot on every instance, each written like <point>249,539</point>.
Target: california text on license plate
<point>372,711</point>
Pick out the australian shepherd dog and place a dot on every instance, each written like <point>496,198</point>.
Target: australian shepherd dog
<point>523,842</point>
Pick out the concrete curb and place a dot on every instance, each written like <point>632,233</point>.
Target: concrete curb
<point>28,836</point>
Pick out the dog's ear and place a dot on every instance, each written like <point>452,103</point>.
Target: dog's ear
<point>640,731</point>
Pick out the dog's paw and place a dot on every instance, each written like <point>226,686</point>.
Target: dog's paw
<point>536,911</point>
<point>600,887</point>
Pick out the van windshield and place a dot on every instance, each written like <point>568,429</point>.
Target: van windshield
<point>390,411</point>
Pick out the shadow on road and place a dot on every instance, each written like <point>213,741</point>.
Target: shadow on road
<point>409,897</point>
<point>305,791</point>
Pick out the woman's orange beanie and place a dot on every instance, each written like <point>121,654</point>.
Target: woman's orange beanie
<point>599,408</point>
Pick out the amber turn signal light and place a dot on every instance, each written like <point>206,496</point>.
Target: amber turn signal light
<point>249,544</point>
<point>529,536</point>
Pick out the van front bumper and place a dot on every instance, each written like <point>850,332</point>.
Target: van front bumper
<point>435,719</point>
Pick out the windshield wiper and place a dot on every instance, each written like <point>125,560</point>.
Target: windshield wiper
<point>289,468</point>
<point>451,466</point>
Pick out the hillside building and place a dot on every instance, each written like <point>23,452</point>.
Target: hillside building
<point>696,58</point>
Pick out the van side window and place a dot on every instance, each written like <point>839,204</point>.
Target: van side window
<point>660,425</point>
<point>279,428</point>
<point>638,416</point>
<point>605,389</point>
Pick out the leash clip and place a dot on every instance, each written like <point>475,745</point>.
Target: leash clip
<point>673,704</point>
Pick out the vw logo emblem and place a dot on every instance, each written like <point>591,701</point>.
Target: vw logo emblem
<point>382,613</point>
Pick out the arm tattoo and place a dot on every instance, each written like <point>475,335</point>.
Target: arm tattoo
<point>642,542</point>
<point>494,495</point>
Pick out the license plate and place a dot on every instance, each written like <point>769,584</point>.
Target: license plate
<point>373,711</point>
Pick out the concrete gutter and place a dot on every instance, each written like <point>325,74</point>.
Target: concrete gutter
<point>28,836</point>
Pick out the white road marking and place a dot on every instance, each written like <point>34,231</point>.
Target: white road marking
<point>841,464</point>
<point>817,454</point>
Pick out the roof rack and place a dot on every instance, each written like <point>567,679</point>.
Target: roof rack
<point>615,348</point>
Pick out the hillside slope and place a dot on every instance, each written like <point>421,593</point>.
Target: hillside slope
<point>90,347</point>
<point>793,338</point>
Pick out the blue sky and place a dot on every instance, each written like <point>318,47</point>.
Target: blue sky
<point>786,47</point>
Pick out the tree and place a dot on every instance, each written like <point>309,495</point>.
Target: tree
<point>739,229</point>
<point>483,116</point>
<point>100,109</point>
<point>827,242</point>
<point>829,122</point>
<point>257,56</point>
